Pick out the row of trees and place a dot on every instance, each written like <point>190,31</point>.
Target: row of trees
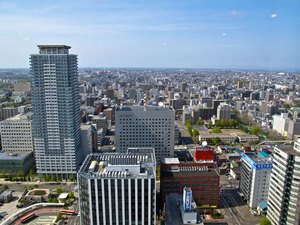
<point>231,123</point>
<point>56,178</point>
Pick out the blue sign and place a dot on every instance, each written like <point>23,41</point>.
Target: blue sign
<point>255,165</point>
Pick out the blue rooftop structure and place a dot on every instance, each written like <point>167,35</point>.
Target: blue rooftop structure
<point>263,205</point>
<point>258,161</point>
<point>264,154</point>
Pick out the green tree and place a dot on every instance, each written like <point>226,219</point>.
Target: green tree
<point>5,186</point>
<point>58,191</point>
<point>190,130</point>
<point>200,122</point>
<point>71,194</point>
<point>286,105</point>
<point>58,217</point>
<point>264,221</point>
<point>255,130</point>
<point>195,132</point>
<point>71,178</point>
<point>210,124</point>
<point>52,200</point>
<point>216,130</point>
<point>188,123</point>
<point>232,123</point>
<point>217,141</point>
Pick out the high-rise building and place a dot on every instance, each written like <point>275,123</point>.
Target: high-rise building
<point>138,126</point>
<point>183,87</point>
<point>224,112</point>
<point>284,198</point>
<point>56,112</point>
<point>118,188</point>
<point>281,123</point>
<point>294,128</point>
<point>255,177</point>
<point>240,84</point>
<point>16,134</point>
<point>269,95</point>
<point>251,86</point>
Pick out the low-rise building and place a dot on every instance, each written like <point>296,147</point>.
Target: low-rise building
<point>6,196</point>
<point>247,138</point>
<point>225,138</point>
<point>201,177</point>
<point>16,164</point>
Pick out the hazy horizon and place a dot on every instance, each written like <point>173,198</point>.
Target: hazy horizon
<point>170,34</point>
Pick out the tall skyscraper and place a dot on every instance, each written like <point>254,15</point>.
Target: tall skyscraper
<point>151,126</point>
<point>284,197</point>
<point>56,112</point>
<point>118,188</point>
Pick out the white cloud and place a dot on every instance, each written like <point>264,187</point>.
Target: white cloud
<point>234,13</point>
<point>273,15</point>
<point>224,34</point>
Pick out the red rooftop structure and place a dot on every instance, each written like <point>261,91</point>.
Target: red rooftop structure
<point>204,154</point>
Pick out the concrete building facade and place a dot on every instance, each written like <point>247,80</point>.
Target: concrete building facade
<point>201,177</point>
<point>118,188</point>
<point>151,126</point>
<point>16,134</point>
<point>284,198</point>
<point>281,123</point>
<point>255,177</point>
<point>56,112</point>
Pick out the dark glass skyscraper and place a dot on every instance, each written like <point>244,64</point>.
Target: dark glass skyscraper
<point>56,110</point>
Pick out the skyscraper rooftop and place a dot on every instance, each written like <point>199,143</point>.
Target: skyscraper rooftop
<point>137,162</point>
<point>54,49</point>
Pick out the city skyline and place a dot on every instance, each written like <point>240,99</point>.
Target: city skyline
<point>206,34</point>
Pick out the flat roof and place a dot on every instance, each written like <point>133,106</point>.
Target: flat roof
<point>170,161</point>
<point>142,108</point>
<point>20,117</point>
<point>135,163</point>
<point>289,149</point>
<point>6,193</point>
<point>54,46</point>
<point>258,158</point>
<point>187,173</point>
<point>63,196</point>
<point>13,156</point>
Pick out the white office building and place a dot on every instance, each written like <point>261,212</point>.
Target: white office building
<point>16,134</point>
<point>281,123</point>
<point>255,177</point>
<point>151,126</point>
<point>118,188</point>
<point>284,197</point>
<point>56,112</point>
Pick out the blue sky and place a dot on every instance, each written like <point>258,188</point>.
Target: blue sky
<point>249,34</point>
